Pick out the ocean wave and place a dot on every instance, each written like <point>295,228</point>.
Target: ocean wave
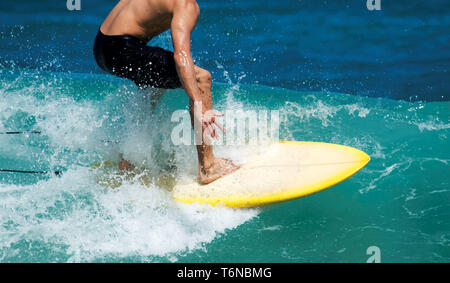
<point>85,118</point>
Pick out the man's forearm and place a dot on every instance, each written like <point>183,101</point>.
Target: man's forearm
<point>186,72</point>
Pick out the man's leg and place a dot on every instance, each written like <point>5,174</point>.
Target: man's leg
<point>155,97</point>
<point>152,97</point>
<point>210,167</point>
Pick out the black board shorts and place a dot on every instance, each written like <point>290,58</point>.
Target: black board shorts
<point>128,57</point>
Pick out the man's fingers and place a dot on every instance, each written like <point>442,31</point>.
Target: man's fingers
<point>220,126</point>
<point>208,130</point>
<point>211,130</point>
<point>210,122</point>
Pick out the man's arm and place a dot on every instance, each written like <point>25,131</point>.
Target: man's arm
<point>185,16</point>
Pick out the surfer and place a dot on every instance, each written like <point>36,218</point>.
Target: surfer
<point>121,49</point>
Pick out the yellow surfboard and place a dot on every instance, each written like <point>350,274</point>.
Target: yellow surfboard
<point>285,171</point>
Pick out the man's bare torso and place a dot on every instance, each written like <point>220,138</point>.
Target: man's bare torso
<point>143,19</point>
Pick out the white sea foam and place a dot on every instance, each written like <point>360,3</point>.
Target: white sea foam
<point>384,173</point>
<point>314,108</point>
<point>83,221</point>
<point>93,222</point>
<point>432,125</point>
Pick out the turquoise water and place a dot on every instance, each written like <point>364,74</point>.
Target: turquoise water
<point>398,202</point>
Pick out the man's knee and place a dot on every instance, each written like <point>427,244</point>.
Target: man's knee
<point>203,76</point>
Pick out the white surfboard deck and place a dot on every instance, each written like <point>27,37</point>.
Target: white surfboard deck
<point>286,171</point>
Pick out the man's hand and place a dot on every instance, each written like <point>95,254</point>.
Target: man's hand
<point>209,123</point>
<point>207,120</point>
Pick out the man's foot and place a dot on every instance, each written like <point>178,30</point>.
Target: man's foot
<point>125,165</point>
<point>219,168</point>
